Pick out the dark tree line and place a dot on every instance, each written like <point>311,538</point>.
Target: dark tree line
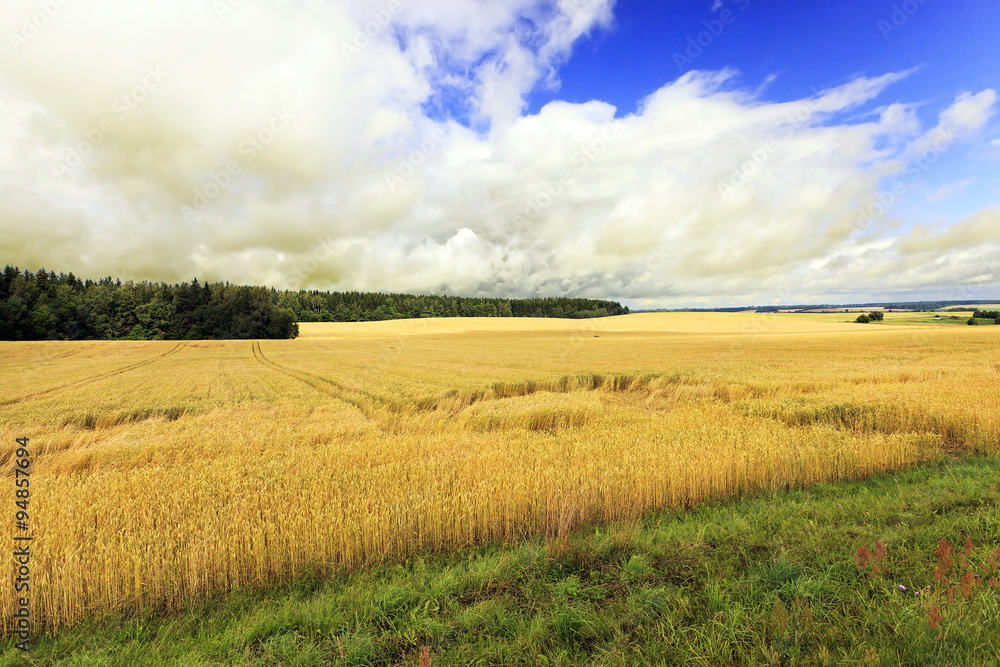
<point>49,306</point>
<point>316,306</point>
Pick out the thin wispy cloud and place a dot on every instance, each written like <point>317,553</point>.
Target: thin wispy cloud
<point>946,191</point>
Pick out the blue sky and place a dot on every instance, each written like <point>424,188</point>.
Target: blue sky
<point>804,45</point>
<point>788,49</point>
<point>510,148</point>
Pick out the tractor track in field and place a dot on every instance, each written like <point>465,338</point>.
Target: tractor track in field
<point>321,384</point>
<point>72,352</point>
<point>317,382</point>
<point>96,378</point>
<point>58,357</point>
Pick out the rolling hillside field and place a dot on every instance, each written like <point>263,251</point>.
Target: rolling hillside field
<point>167,472</point>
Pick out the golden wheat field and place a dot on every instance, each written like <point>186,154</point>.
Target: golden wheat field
<point>165,471</point>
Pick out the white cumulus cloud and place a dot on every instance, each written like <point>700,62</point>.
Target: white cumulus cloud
<point>306,144</point>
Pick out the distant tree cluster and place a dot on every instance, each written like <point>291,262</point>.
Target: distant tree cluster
<point>984,317</point>
<point>874,316</point>
<point>314,306</point>
<point>49,306</point>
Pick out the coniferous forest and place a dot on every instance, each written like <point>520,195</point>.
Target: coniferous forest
<point>47,306</point>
